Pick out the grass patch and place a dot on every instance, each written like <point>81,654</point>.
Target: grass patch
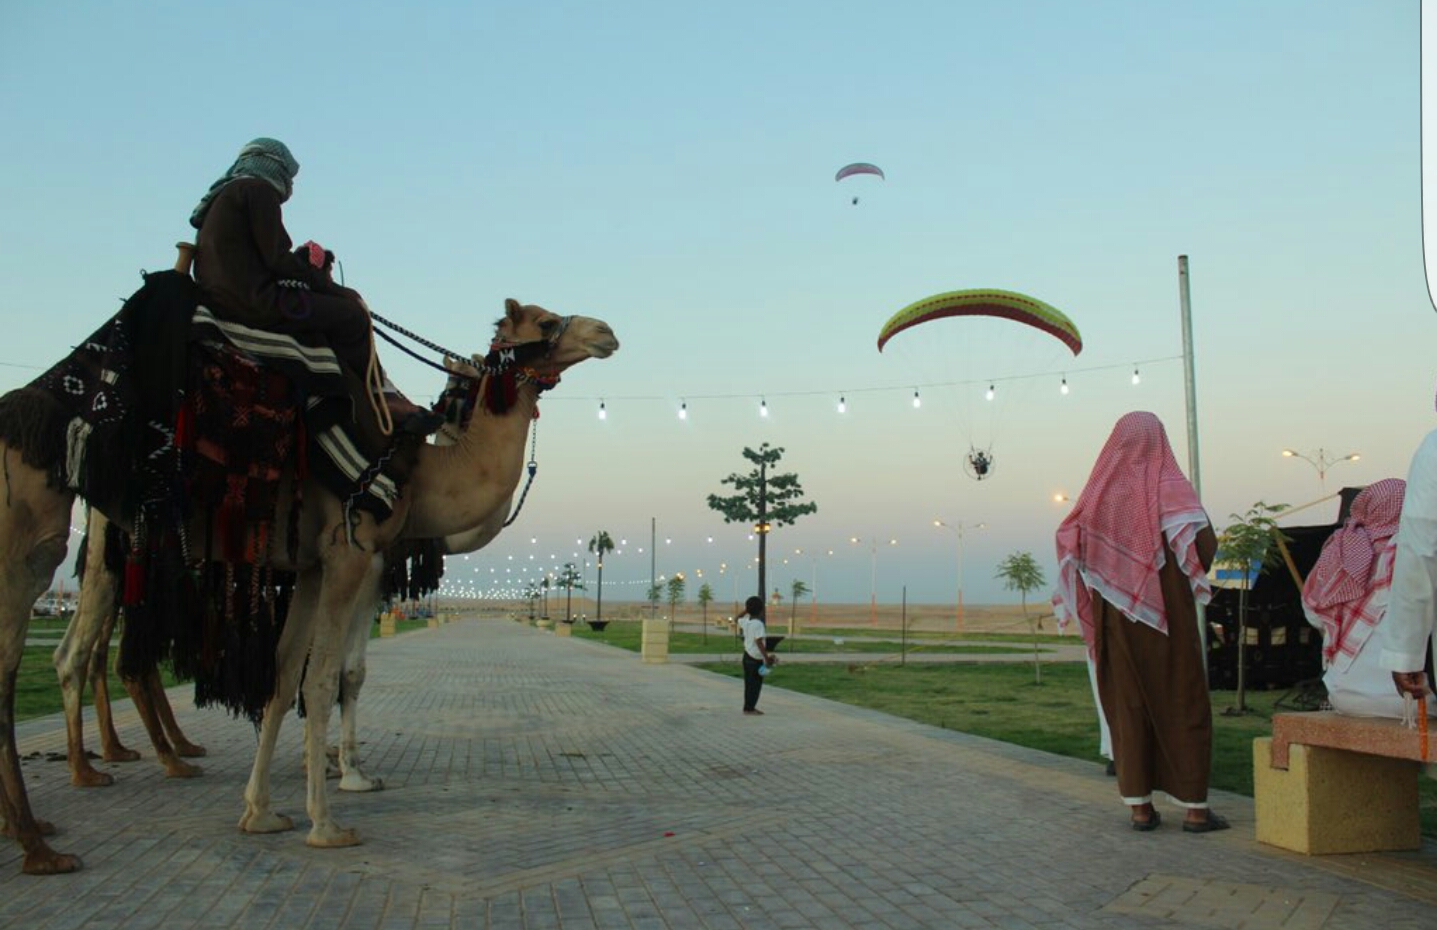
<point>1000,701</point>
<point>627,634</point>
<point>37,689</point>
<point>779,626</point>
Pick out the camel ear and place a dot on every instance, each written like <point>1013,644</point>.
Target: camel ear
<point>512,308</point>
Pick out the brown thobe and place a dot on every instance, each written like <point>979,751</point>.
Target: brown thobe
<point>1154,691</point>
<point>242,256</point>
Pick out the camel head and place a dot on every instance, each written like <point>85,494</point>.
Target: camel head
<point>569,339</point>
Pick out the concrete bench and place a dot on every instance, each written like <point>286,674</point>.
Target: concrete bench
<point>1325,783</point>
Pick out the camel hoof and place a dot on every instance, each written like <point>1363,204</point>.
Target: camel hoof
<point>121,754</point>
<point>269,822</point>
<point>174,768</point>
<point>42,827</point>
<point>190,750</point>
<point>332,838</point>
<point>45,861</point>
<point>90,778</point>
<point>358,783</point>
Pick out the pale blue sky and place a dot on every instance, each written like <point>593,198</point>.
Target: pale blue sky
<point>671,171</point>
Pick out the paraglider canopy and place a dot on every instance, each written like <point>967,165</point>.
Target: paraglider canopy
<point>858,167</point>
<point>1010,305</point>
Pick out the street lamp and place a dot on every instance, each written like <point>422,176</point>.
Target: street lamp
<point>1321,460</point>
<point>957,528</point>
<point>873,575</point>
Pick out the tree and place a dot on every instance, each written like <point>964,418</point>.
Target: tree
<point>599,544</point>
<point>531,594</point>
<point>569,579</point>
<point>706,596</point>
<point>656,592</point>
<point>1020,572</point>
<point>762,500</point>
<point>1247,543</point>
<point>676,597</point>
<point>798,589</point>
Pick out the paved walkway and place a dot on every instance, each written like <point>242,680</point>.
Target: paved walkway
<point>546,782</point>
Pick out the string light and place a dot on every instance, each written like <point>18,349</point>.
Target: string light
<point>842,405</point>
<point>1063,388</point>
<point>763,407</point>
<point>989,395</point>
<point>684,411</point>
<point>603,411</point>
<point>916,401</point>
<point>1136,377</point>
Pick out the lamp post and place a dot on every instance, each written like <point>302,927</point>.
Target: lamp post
<point>873,575</point>
<point>957,529</point>
<point>1322,461</point>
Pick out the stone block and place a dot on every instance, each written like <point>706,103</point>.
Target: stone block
<point>1334,800</point>
<point>654,641</point>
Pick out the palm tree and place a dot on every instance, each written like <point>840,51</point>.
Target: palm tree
<point>799,589</point>
<point>600,543</point>
<point>706,596</point>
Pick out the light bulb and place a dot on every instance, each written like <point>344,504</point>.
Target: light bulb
<point>916,402</point>
<point>989,395</point>
<point>1136,377</point>
<point>842,405</point>
<point>1063,389</point>
<point>683,411</point>
<point>603,411</point>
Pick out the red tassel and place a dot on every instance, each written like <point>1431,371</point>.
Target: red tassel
<point>185,426</point>
<point>134,582</point>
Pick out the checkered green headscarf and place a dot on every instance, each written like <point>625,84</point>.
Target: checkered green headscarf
<point>266,159</point>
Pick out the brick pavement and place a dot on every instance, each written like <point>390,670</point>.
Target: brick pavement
<point>546,782</point>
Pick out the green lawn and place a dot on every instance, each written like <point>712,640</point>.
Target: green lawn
<point>1002,702</point>
<point>626,634</point>
<point>37,690</point>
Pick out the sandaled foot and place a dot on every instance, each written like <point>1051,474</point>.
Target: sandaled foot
<point>1153,821</point>
<point>1213,823</point>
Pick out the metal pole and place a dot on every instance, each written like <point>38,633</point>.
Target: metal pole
<point>873,584</point>
<point>653,556</point>
<point>1190,393</point>
<point>960,576</point>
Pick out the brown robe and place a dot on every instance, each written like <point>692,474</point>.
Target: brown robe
<point>242,256</point>
<point>1153,689</point>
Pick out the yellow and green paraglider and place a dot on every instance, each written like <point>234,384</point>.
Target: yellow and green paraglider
<point>984,302</point>
<point>1009,305</point>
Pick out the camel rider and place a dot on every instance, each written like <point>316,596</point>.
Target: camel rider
<point>248,273</point>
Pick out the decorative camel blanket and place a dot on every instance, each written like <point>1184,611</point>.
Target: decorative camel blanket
<point>166,413</point>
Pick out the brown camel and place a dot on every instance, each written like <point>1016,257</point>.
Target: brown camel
<point>451,490</point>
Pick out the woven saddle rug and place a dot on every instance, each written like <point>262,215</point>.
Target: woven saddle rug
<point>171,418</point>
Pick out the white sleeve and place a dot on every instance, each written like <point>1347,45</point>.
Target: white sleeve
<point>1413,605</point>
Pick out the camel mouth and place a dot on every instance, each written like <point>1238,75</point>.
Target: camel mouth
<point>603,348</point>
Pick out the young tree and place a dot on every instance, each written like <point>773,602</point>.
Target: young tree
<point>763,499</point>
<point>599,544</point>
<point>798,589</point>
<point>1247,543</point>
<point>656,593</point>
<point>1020,572</point>
<point>676,597</point>
<point>706,596</point>
<point>569,579</point>
<point>531,594</point>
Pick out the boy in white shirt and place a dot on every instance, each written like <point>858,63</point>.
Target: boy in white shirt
<point>755,652</point>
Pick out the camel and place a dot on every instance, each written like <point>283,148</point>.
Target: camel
<point>451,490</point>
<point>83,653</point>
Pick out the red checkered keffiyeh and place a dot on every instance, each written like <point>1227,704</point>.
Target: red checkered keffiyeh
<point>1112,542</point>
<point>1346,592</point>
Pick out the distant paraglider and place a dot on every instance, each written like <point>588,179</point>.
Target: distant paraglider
<point>859,167</point>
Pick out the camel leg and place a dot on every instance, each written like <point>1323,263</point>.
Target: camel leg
<point>351,778</point>
<point>86,638</point>
<point>167,719</point>
<point>290,654</point>
<point>34,530</point>
<point>345,572</point>
<point>147,705</point>
<point>111,749</point>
